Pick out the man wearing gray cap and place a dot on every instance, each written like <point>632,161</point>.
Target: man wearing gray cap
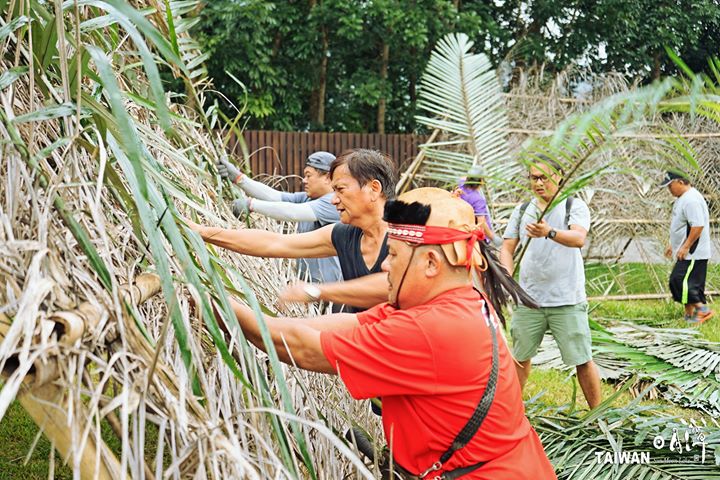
<point>312,208</point>
<point>689,246</point>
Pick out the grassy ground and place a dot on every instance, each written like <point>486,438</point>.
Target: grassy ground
<point>18,432</point>
<point>636,278</point>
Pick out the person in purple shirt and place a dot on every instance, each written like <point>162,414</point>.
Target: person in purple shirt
<point>469,189</point>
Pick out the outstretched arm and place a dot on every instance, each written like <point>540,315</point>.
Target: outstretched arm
<point>261,243</point>
<point>363,292</point>
<point>251,187</point>
<point>259,190</point>
<point>295,340</point>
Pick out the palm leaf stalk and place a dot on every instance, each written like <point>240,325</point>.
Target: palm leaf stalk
<point>461,92</point>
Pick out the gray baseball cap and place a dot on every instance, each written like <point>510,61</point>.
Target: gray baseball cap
<point>671,175</point>
<point>320,160</point>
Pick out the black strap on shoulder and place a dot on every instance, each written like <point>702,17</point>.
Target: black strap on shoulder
<point>478,416</point>
<point>568,208</point>
<point>523,208</point>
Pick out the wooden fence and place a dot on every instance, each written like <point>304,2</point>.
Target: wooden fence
<point>284,153</point>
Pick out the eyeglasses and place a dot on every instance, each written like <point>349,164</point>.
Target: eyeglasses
<point>538,178</point>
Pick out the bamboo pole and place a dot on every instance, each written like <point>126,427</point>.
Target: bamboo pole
<point>71,325</point>
<point>408,175</point>
<point>640,296</point>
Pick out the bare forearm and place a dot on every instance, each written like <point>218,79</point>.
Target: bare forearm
<point>506,259</point>
<point>570,238</point>
<point>258,243</point>
<point>293,340</point>
<point>483,223</point>
<point>364,292</point>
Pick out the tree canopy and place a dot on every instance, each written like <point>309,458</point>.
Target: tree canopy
<point>345,65</point>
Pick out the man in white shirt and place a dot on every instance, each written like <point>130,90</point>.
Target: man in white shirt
<point>690,246</point>
<point>552,273</point>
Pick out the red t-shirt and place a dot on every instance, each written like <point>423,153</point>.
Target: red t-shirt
<point>430,365</point>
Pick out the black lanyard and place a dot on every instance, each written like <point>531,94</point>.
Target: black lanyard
<point>478,416</point>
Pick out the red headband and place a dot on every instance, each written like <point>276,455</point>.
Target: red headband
<point>430,235</point>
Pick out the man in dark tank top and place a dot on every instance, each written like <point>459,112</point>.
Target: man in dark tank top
<point>363,181</point>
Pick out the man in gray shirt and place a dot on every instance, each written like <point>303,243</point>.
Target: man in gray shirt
<point>690,246</point>
<point>552,273</point>
<point>312,208</point>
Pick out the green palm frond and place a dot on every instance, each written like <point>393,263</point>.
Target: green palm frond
<point>685,368</point>
<point>590,145</point>
<point>588,447</point>
<point>461,93</point>
<point>180,21</point>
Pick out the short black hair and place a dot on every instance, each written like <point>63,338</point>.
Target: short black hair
<point>367,165</point>
<point>542,159</point>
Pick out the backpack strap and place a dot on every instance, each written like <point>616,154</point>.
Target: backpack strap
<point>568,209</point>
<point>523,208</point>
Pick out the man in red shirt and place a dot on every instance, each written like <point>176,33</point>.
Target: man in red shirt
<point>432,353</point>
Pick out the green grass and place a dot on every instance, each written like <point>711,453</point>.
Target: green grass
<point>636,278</point>
<point>17,434</point>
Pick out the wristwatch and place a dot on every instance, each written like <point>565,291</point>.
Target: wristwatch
<point>312,292</point>
<point>551,234</point>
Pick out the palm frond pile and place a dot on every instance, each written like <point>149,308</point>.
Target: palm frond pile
<point>684,369</point>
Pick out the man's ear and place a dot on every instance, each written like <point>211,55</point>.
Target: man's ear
<point>376,189</point>
<point>433,262</point>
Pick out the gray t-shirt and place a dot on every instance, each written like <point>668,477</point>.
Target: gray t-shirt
<point>551,273</point>
<point>690,209</point>
<point>320,269</point>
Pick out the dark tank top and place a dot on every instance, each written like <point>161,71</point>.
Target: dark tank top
<point>346,240</point>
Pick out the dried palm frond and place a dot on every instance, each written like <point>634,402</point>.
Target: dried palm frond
<point>98,168</point>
